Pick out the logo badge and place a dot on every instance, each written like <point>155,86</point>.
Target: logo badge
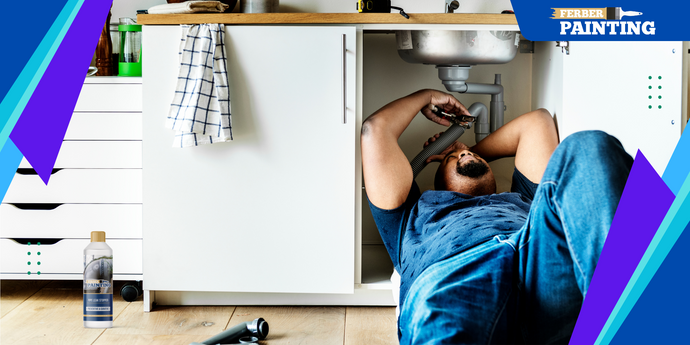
<point>606,21</point>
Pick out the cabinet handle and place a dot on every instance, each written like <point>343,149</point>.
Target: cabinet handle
<point>29,171</point>
<point>35,241</point>
<point>344,68</point>
<point>32,206</point>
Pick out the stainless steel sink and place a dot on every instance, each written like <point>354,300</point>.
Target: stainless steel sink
<point>446,47</point>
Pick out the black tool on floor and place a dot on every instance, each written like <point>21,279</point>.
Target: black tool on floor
<point>245,332</point>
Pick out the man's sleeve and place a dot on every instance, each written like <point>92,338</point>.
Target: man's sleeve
<point>523,185</point>
<point>392,223</point>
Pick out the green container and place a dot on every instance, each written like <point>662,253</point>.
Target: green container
<point>129,64</point>
<point>129,69</point>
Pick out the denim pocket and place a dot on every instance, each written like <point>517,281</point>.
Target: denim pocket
<point>510,240</point>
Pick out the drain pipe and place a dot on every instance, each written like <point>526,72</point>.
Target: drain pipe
<point>496,107</point>
<point>481,124</point>
<point>453,78</point>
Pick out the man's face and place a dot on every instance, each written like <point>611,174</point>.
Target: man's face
<point>465,172</point>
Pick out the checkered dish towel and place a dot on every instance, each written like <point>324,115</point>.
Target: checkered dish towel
<point>200,111</point>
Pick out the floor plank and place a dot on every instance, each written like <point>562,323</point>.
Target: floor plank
<point>14,292</point>
<point>52,316</point>
<point>147,339</point>
<point>203,322</point>
<point>371,326</point>
<point>297,325</point>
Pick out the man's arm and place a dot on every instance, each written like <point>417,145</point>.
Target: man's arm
<point>530,138</point>
<point>387,172</point>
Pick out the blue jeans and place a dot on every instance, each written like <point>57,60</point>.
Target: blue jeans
<point>527,287</point>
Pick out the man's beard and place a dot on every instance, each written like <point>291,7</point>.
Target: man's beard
<point>473,169</point>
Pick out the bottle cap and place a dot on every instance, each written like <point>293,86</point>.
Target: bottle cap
<point>97,236</point>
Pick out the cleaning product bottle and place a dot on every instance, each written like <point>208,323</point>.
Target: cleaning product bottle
<point>98,283</point>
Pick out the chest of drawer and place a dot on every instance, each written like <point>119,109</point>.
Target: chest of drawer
<point>80,186</point>
<point>70,220</point>
<point>110,97</point>
<point>97,154</point>
<point>104,126</point>
<point>65,256</point>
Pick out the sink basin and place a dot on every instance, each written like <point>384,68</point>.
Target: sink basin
<point>446,47</point>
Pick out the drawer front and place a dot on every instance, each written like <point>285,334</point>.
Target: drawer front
<point>97,154</point>
<point>110,97</point>
<point>70,220</point>
<point>104,126</point>
<point>87,186</point>
<point>65,257</point>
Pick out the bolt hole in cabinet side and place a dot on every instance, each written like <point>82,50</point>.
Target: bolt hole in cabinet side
<point>272,211</point>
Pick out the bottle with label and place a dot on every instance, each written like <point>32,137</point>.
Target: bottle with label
<point>98,283</point>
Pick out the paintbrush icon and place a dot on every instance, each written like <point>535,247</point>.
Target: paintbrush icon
<point>616,13</point>
<point>630,13</point>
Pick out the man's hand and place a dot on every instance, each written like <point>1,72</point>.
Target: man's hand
<point>387,172</point>
<point>439,157</point>
<point>446,102</point>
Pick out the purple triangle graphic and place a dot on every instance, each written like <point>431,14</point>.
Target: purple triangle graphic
<point>660,314</point>
<point>642,208</point>
<point>41,128</point>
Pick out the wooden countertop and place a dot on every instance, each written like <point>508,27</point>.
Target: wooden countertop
<point>327,18</point>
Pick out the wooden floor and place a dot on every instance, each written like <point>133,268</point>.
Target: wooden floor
<point>50,312</point>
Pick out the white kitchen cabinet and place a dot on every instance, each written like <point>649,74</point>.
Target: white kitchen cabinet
<point>631,90</point>
<point>273,211</point>
<point>268,218</point>
<point>96,186</point>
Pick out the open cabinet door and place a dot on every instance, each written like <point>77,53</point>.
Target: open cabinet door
<point>632,90</point>
<point>274,209</point>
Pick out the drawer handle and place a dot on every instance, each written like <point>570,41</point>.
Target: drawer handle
<point>39,241</point>
<point>28,206</point>
<point>29,171</point>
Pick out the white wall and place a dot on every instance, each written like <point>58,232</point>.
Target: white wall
<point>547,83</point>
<point>128,8</point>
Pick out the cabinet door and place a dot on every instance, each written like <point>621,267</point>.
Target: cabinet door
<point>632,90</point>
<point>273,210</point>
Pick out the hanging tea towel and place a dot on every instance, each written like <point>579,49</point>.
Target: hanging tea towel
<point>200,111</point>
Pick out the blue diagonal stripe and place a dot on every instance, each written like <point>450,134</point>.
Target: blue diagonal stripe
<point>679,165</point>
<point>22,89</point>
<point>626,243</point>
<point>40,130</point>
<point>31,33</point>
<point>10,157</point>
<point>660,314</point>
<point>676,220</point>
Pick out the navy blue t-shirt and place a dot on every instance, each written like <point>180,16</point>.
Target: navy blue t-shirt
<point>436,225</point>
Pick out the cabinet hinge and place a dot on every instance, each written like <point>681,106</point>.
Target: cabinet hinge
<point>526,47</point>
<point>565,46</point>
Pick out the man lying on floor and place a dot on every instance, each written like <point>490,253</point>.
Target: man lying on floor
<point>478,267</point>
